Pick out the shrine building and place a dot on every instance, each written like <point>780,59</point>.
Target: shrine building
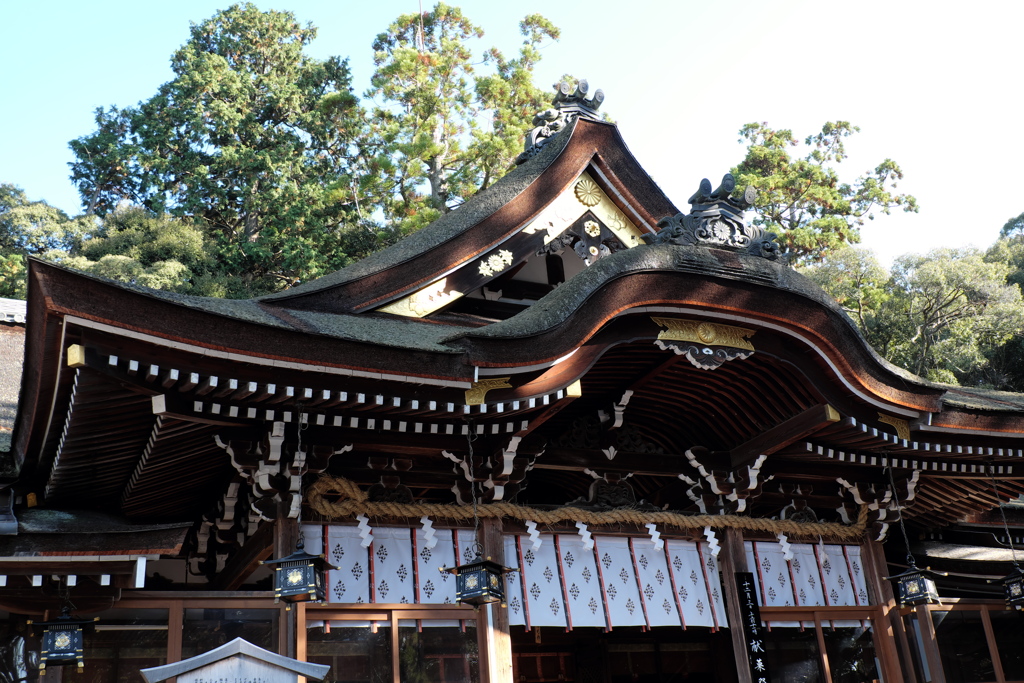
<point>680,455</point>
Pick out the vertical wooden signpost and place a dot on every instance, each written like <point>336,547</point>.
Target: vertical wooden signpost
<point>753,632</point>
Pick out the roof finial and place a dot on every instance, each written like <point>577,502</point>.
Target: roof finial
<point>570,102</point>
<point>575,100</point>
<point>716,220</point>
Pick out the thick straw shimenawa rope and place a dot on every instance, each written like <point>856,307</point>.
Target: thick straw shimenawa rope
<point>351,500</point>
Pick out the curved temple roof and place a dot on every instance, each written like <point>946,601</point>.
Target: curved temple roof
<point>535,319</point>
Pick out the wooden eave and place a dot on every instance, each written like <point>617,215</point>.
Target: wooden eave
<point>587,144</point>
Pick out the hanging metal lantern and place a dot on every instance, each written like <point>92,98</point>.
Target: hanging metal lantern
<point>1014,585</point>
<point>480,581</point>
<point>300,576</point>
<point>62,642</point>
<point>916,586</point>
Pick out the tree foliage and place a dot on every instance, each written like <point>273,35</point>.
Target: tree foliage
<point>249,136</point>
<point>803,200</point>
<point>947,315</point>
<point>32,228</point>
<point>162,252</point>
<point>271,156</point>
<point>440,131</point>
<point>1013,227</point>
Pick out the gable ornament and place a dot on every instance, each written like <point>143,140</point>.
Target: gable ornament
<point>716,220</point>
<point>569,103</point>
<point>706,345</point>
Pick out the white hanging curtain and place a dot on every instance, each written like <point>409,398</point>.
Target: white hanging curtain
<point>350,582</point>
<point>714,585</point>
<point>618,580</point>
<point>466,545</point>
<point>585,605</point>
<point>391,555</point>
<point>691,589</point>
<point>837,583</point>
<point>806,575</point>
<point>774,582</point>
<point>542,583</point>
<point>514,583</point>
<point>856,564</point>
<point>435,587</point>
<point>655,583</point>
<point>775,585</point>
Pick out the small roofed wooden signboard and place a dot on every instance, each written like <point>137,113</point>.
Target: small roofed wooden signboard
<point>236,662</point>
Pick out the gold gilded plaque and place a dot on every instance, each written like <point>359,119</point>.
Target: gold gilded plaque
<point>712,334</point>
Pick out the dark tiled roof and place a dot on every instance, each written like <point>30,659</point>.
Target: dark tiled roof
<point>12,311</point>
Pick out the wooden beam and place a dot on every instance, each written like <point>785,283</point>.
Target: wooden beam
<point>651,464</point>
<point>63,566</point>
<point>783,434</point>
<point>548,413</point>
<point>244,562</point>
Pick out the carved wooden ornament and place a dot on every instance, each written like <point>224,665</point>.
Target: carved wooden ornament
<point>712,334</point>
<point>476,394</point>
<point>902,426</point>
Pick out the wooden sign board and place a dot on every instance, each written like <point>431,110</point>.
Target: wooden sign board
<point>237,662</point>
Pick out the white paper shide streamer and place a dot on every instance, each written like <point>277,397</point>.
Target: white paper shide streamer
<point>709,534</point>
<point>531,527</point>
<point>652,529</point>
<point>787,549</point>
<point>364,531</point>
<point>429,535</point>
<point>588,541</point>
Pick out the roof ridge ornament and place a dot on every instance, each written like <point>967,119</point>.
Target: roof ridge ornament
<point>571,102</point>
<point>716,220</point>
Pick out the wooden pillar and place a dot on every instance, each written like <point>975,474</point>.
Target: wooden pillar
<point>286,532</point>
<point>496,629</point>
<point>931,645</point>
<point>732,559</point>
<point>175,627</point>
<point>891,637</point>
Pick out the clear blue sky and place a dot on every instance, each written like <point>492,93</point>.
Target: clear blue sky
<point>933,85</point>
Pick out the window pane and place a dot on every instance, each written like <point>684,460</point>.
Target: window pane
<point>962,646</point>
<point>851,654</point>
<point>122,642</point>
<point>793,657</point>
<point>205,629</point>
<point>1009,631</point>
<point>356,652</point>
<point>438,654</point>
